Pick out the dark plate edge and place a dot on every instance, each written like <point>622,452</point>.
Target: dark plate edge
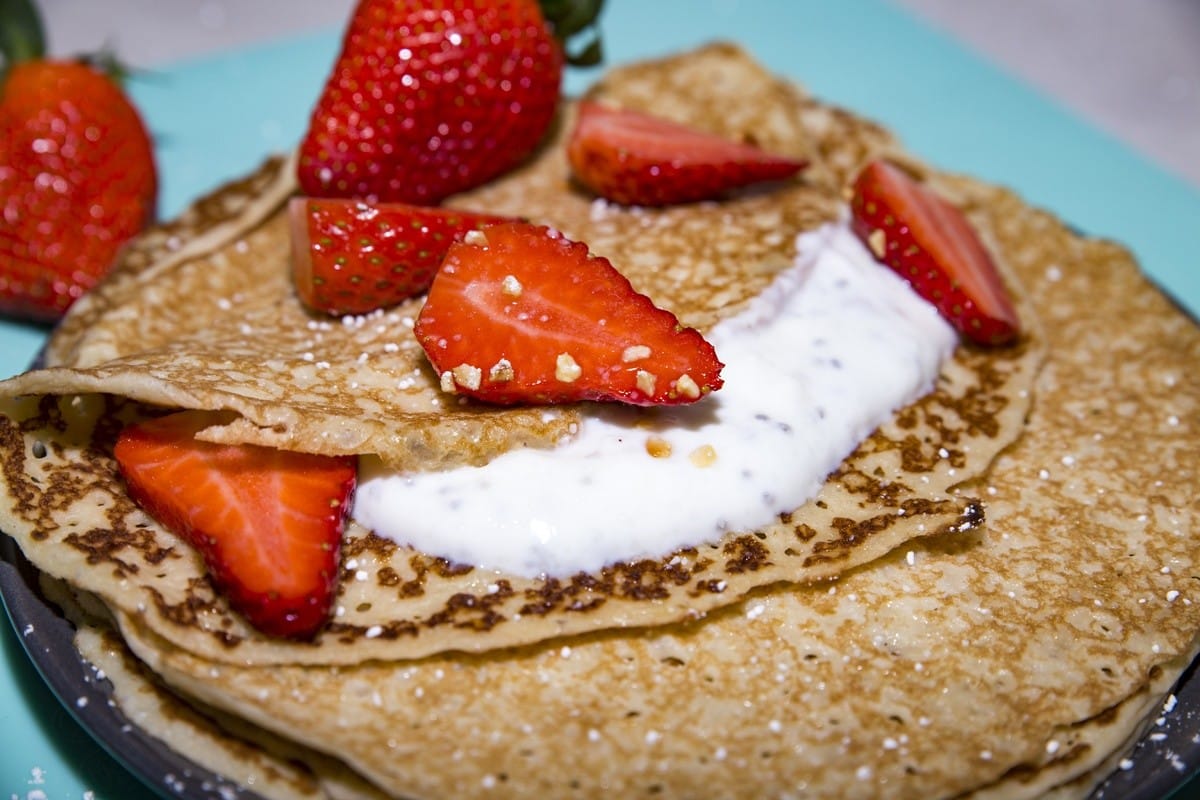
<point>48,640</point>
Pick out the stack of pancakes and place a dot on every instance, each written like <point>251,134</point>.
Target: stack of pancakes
<point>988,597</point>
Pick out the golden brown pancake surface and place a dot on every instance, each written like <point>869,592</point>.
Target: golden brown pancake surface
<point>845,654</point>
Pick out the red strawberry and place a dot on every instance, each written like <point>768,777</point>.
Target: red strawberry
<point>520,314</point>
<point>350,257</point>
<point>77,176</point>
<point>636,159</point>
<point>268,522</point>
<point>431,97</point>
<point>930,243</point>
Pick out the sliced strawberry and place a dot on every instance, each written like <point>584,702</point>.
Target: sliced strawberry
<point>520,314</point>
<point>637,159</point>
<point>350,257</point>
<point>930,243</point>
<point>268,522</point>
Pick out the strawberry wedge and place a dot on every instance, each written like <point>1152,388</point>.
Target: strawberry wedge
<point>520,314</point>
<point>930,243</point>
<point>351,257</point>
<point>267,522</point>
<point>638,159</point>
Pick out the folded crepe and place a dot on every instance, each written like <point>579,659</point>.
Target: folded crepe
<point>881,639</point>
<point>362,386</point>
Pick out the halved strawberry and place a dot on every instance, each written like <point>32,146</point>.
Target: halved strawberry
<point>930,243</point>
<point>350,257</point>
<point>519,314</point>
<point>637,159</point>
<point>268,522</point>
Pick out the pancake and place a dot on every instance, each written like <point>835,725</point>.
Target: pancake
<point>242,756</point>
<point>1009,654</point>
<point>1019,660</point>
<point>247,346</point>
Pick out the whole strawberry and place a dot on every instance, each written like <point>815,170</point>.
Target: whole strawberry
<point>77,173</point>
<point>432,97</point>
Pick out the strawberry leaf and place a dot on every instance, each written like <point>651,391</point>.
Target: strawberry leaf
<point>22,36</point>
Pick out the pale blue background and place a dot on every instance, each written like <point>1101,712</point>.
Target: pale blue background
<point>216,118</point>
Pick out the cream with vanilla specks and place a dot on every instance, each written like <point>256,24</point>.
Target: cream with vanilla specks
<point>986,597</point>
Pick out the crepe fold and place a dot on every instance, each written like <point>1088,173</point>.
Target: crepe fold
<point>212,322</point>
<point>841,651</point>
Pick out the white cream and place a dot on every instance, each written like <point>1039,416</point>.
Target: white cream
<point>815,363</point>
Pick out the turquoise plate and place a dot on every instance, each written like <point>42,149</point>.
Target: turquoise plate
<point>216,118</point>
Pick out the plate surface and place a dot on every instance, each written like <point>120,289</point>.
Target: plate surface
<point>216,118</point>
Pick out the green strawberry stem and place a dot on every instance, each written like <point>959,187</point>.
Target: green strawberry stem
<point>22,37</point>
<point>571,17</point>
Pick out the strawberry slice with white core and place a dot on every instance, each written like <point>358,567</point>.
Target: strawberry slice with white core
<point>520,314</point>
<point>638,159</point>
<point>352,257</point>
<point>267,522</point>
<point>931,244</point>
